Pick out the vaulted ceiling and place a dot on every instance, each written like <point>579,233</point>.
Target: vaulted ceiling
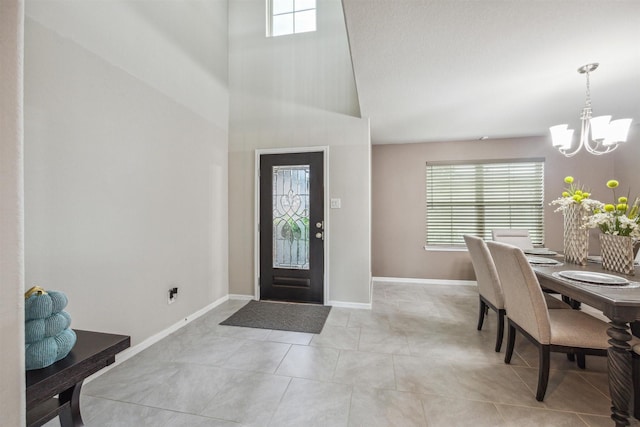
<point>437,70</point>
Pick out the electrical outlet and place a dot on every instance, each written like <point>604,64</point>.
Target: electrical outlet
<point>173,295</point>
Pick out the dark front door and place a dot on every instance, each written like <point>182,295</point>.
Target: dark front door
<point>292,227</point>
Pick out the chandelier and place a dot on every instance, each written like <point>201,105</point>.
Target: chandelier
<point>606,135</point>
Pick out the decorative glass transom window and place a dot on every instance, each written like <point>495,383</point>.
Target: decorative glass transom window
<point>474,198</point>
<point>291,17</point>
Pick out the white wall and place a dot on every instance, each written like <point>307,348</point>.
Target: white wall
<point>126,133</point>
<point>298,91</point>
<point>12,401</point>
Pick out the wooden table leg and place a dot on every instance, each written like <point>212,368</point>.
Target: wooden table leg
<point>71,417</point>
<point>619,361</point>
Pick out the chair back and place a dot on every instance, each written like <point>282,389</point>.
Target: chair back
<point>515,237</point>
<point>486,274</point>
<point>523,298</point>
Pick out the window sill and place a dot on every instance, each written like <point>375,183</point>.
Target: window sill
<point>445,248</point>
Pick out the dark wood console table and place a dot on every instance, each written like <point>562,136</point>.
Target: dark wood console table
<point>92,352</point>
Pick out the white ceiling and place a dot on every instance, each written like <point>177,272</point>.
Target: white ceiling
<point>438,70</point>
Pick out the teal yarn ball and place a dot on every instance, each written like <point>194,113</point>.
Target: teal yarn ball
<point>41,354</point>
<point>34,331</point>
<point>58,301</point>
<point>48,336</point>
<point>55,324</point>
<point>38,307</point>
<point>49,350</point>
<point>67,316</point>
<point>65,341</point>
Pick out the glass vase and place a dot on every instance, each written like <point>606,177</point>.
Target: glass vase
<point>617,253</point>
<point>576,237</point>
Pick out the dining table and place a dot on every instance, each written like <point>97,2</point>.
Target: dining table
<point>619,301</point>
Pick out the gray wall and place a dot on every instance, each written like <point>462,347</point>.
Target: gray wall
<point>12,399</point>
<point>398,185</point>
<point>626,163</point>
<point>298,91</point>
<point>126,136</point>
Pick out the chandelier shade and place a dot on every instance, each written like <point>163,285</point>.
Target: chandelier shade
<point>598,135</point>
<point>561,136</point>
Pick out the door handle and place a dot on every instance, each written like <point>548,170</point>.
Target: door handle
<point>319,235</point>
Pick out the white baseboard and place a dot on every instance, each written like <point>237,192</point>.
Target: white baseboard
<point>241,297</point>
<point>343,304</point>
<point>402,280</point>
<point>132,351</point>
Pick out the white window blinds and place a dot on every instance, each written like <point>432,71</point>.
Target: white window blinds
<point>464,198</point>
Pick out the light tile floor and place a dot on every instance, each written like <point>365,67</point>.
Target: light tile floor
<point>416,359</point>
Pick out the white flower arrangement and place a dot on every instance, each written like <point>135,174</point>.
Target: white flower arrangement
<point>589,205</point>
<point>619,225</point>
<point>619,218</point>
<point>576,195</point>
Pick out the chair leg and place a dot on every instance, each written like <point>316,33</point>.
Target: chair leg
<point>635,369</point>
<point>581,360</point>
<point>500,333</point>
<point>543,371</point>
<point>483,309</point>
<point>511,341</point>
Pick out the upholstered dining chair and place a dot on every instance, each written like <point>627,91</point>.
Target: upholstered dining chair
<point>521,239</point>
<point>562,331</point>
<point>515,237</point>
<point>489,288</point>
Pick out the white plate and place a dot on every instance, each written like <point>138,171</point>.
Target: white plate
<point>542,261</point>
<point>539,251</point>
<point>591,277</point>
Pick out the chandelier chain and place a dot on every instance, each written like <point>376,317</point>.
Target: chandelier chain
<point>588,103</point>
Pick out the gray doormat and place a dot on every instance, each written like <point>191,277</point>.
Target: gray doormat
<point>281,316</point>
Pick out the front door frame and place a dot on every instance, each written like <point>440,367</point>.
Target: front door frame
<point>256,213</point>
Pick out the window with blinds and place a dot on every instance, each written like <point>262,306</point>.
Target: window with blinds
<point>466,198</point>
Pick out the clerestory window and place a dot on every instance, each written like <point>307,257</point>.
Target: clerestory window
<point>290,17</point>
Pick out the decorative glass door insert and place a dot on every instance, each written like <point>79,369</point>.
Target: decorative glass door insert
<point>291,216</point>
